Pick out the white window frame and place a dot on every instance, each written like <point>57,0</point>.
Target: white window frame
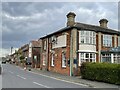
<point>45,45</point>
<point>87,37</point>
<point>107,57</point>
<point>82,57</point>
<point>52,60</point>
<point>44,59</point>
<point>116,58</point>
<point>107,40</point>
<point>64,59</point>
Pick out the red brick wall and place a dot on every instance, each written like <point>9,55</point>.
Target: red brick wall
<point>58,57</point>
<point>106,48</point>
<point>36,52</point>
<point>43,67</point>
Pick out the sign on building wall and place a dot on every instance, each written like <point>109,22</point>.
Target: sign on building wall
<point>61,41</point>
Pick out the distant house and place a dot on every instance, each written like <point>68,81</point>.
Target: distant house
<point>35,53</point>
<point>24,50</point>
<point>66,49</point>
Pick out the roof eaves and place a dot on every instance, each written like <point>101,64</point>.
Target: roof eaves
<point>61,30</point>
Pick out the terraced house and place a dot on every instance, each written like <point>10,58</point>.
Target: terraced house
<point>35,53</point>
<point>65,50</point>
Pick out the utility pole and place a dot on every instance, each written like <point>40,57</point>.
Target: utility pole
<point>11,50</point>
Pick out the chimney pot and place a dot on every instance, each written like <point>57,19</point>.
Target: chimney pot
<point>103,23</point>
<point>71,18</point>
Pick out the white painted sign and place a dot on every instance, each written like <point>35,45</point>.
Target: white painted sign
<point>61,41</point>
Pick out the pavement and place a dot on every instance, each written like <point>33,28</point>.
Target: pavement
<point>76,79</point>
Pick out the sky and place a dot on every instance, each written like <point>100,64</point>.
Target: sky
<point>26,21</point>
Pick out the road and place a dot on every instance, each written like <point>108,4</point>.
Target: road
<point>15,77</point>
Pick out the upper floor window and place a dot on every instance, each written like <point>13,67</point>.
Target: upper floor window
<point>44,45</point>
<point>88,37</point>
<point>107,40</point>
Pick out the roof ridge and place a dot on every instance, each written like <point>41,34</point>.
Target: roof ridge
<point>95,26</point>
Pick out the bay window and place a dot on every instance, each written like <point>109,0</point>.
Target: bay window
<point>87,57</point>
<point>87,37</point>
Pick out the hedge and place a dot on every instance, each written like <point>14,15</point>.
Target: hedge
<point>105,72</point>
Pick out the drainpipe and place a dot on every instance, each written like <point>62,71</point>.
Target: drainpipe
<point>71,54</point>
<point>99,46</point>
<point>73,49</point>
<point>47,44</point>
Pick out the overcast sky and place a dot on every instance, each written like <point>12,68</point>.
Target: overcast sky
<point>23,21</point>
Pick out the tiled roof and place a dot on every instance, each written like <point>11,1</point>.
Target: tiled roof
<point>36,43</point>
<point>96,28</point>
<point>112,50</point>
<point>24,47</point>
<point>82,26</point>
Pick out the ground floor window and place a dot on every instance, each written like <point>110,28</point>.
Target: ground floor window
<point>116,58</point>
<point>44,59</point>
<point>63,59</point>
<point>106,58</point>
<point>87,57</point>
<point>110,58</point>
<point>52,60</point>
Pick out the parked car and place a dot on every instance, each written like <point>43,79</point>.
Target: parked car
<point>28,61</point>
<point>3,61</point>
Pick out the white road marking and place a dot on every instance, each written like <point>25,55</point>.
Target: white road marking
<point>41,85</point>
<point>60,79</point>
<point>21,77</point>
<point>11,72</point>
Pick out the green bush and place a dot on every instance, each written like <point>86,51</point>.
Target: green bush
<point>22,57</point>
<point>105,72</point>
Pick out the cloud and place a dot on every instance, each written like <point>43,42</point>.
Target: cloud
<point>25,21</point>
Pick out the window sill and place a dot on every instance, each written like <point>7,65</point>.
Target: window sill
<point>107,46</point>
<point>52,65</point>
<point>86,44</point>
<point>64,67</point>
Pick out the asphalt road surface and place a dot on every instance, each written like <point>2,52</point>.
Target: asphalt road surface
<point>15,77</point>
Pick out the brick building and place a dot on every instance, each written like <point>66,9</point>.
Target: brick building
<point>35,53</point>
<point>64,51</point>
<point>24,50</point>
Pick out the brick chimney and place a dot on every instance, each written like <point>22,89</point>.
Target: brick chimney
<point>71,18</point>
<point>103,23</point>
